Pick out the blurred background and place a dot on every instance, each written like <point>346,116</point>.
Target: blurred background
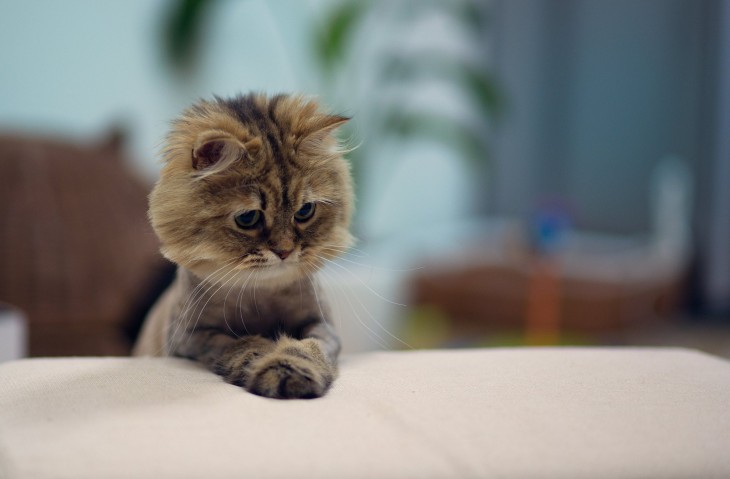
<point>528,172</point>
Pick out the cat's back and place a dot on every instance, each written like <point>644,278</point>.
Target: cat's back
<point>152,340</point>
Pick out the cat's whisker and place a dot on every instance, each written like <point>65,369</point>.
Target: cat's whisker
<point>343,250</point>
<point>347,251</point>
<point>311,272</point>
<point>316,276</point>
<point>301,293</point>
<point>381,268</point>
<point>204,285</point>
<point>255,304</point>
<point>184,319</point>
<point>344,150</point>
<point>188,302</point>
<point>363,282</point>
<point>240,302</point>
<point>242,288</point>
<point>210,278</point>
<point>377,323</point>
<point>225,299</point>
<point>235,274</point>
<point>316,294</point>
<point>376,336</point>
<point>313,276</point>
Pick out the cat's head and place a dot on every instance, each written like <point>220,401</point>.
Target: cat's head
<point>254,184</point>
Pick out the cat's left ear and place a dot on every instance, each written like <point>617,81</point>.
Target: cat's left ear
<point>322,128</point>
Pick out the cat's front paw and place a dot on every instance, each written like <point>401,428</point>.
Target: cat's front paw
<point>295,370</point>
<point>235,363</point>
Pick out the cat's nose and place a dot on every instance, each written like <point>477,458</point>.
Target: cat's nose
<point>281,253</point>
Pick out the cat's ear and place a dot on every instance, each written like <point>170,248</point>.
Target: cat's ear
<point>330,122</point>
<point>321,129</point>
<point>325,125</point>
<point>217,148</point>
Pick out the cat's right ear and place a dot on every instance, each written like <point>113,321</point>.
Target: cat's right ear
<point>221,150</point>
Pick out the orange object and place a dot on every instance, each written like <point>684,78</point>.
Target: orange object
<point>542,325</point>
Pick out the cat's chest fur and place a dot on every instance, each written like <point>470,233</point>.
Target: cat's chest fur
<point>248,307</point>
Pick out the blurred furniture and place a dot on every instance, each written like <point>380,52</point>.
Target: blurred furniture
<point>508,413</point>
<point>13,333</point>
<point>502,295</point>
<point>584,283</point>
<point>76,250</point>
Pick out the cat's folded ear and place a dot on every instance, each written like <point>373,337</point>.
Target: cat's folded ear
<point>221,149</point>
<point>320,129</point>
<point>329,123</point>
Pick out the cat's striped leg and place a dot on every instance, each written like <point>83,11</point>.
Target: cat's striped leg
<point>225,355</point>
<point>286,369</point>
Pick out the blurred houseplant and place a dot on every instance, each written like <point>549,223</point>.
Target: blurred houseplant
<point>405,66</point>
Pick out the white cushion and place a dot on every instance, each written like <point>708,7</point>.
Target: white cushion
<point>473,413</point>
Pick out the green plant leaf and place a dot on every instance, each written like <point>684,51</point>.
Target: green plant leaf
<point>476,82</point>
<point>450,132</point>
<point>182,30</point>
<point>337,30</point>
<point>472,13</point>
<point>485,90</point>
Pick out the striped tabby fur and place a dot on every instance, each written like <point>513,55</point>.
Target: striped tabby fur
<point>245,302</point>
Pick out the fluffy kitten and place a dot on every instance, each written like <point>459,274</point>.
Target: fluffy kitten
<point>253,198</point>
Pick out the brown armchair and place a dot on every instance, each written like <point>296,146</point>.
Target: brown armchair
<point>77,254</point>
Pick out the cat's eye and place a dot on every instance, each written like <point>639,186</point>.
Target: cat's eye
<point>305,212</point>
<point>248,219</point>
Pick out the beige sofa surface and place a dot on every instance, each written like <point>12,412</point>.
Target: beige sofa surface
<point>521,413</point>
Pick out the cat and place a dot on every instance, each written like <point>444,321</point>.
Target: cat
<point>254,196</point>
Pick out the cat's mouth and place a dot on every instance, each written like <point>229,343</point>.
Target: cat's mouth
<point>274,266</point>
<point>277,272</point>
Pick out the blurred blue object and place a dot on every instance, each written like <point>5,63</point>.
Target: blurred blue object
<point>551,223</point>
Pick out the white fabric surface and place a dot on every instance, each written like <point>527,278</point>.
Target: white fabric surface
<point>474,413</point>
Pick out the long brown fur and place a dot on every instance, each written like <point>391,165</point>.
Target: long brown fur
<point>245,301</point>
